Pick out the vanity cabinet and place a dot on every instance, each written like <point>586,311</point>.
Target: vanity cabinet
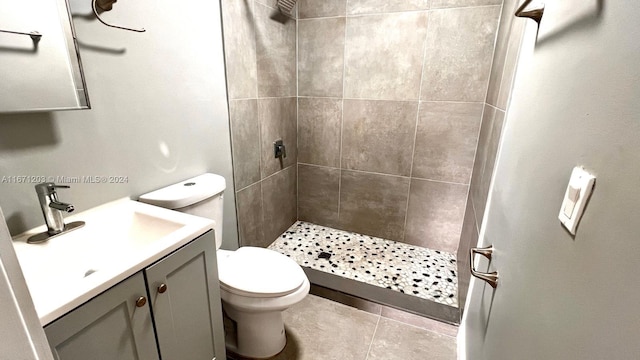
<point>110,326</point>
<point>170,310</point>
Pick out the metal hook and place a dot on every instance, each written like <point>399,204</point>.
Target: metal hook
<point>95,12</point>
<point>35,36</point>
<point>535,14</point>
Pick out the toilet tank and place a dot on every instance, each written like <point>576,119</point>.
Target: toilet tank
<point>201,196</point>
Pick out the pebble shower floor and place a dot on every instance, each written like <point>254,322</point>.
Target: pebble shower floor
<point>425,273</point>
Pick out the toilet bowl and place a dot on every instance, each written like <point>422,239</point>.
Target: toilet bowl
<point>256,284</point>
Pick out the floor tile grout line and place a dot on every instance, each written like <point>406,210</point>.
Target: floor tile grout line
<point>373,338</point>
<point>420,327</point>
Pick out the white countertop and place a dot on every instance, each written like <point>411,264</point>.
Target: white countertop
<point>119,239</point>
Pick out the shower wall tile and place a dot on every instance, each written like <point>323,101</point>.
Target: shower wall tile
<point>240,48</point>
<point>321,57</point>
<point>318,189</point>
<point>319,124</point>
<point>468,239</point>
<point>357,7</point>
<point>279,199</point>
<point>499,55</point>
<point>446,141</point>
<point>270,3</point>
<point>315,8</point>
<point>510,64</point>
<point>459,53</point>
<point>492,121</point>
<point>373,204</point>
<point>361,129</point>
<point>275,53</point>
<point>245,137</point>
<point>383,55</point>
<point>435,214</point>
<point>250,218</point>
<point>439,4</point>
<point>378,136</point>
<point>505,56</point>
<point>277,118</point>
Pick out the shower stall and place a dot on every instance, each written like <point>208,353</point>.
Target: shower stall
<point>389,112</point>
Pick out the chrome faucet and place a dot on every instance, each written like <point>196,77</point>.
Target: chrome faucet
<point>52,210</point>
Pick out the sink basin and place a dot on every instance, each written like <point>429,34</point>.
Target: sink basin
<point>119,239</point>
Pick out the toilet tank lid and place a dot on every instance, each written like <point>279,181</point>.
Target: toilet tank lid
<point>187,192</point>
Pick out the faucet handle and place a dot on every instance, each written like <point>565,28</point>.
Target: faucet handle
<point>49,188</point>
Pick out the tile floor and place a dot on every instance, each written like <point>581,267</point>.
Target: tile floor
<point>322,329</point>
<point>421,272</point>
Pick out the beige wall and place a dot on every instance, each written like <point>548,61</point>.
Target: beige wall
<point>390,100</point>
<point>159,114</point>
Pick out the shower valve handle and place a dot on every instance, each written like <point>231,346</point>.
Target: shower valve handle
<point>279,149</point>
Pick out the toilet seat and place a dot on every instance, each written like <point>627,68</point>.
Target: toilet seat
<point>259,273</point>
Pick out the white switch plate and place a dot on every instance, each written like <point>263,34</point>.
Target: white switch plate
<point>575,198</point>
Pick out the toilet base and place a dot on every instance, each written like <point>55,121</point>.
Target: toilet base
<point>258,335</point>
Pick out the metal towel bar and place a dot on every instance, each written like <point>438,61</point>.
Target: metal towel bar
<point>535,14</point>
<point>95,12</point>
<point>34,34</point>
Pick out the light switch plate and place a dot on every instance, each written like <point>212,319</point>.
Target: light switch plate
<point>575,198</point>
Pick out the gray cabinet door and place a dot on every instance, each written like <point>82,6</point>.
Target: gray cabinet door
<point>107,327</point>
<point>187,314</point>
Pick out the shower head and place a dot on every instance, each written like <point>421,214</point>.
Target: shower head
<point>286,6</point>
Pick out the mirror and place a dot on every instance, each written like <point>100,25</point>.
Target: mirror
<point>39,73</point>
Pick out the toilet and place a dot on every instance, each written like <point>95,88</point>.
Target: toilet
<point>256,284</point>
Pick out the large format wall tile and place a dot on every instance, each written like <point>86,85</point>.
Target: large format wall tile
<point>245,137</point>
<point>506,56</point>
<point>250,223</point>
<point>468,239</point>
<point>383,56</point>
<point>277,118</point>
<point>270,3</point>
<point>439,4</point>
<point>318,190</point>
<point>510,64</point>
<point>279,199</point>
<point>315,8</point>
<point>488,142</point>
<point>319,123</point>
<point>240,48</point>
<point>275,53</point>
<point>446,141</point>
<point>373,204</point>
<point>321,57</point>
<point>435,214</point>
<point>459,53</point>
<point>378,136</point>
<point>355,7</point>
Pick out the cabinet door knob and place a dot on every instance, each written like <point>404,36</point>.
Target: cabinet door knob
<point>162,288</point>
<point>141,301</point>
